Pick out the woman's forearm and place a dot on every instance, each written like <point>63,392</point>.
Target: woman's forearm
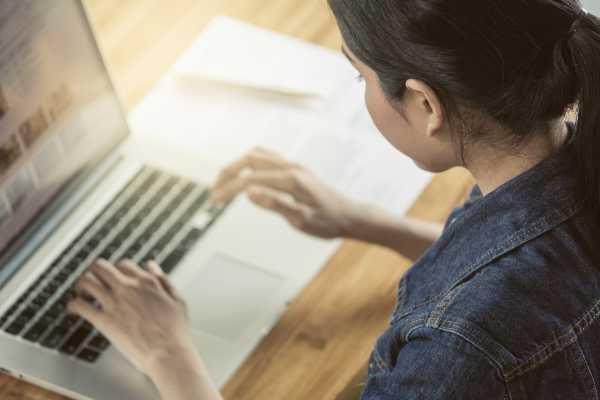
<point>184,377</point>
<point>408,236</point>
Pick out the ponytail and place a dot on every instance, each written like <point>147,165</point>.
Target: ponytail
<point>584,49</point>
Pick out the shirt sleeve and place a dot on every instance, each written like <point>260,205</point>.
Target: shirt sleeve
<point>436,366</point>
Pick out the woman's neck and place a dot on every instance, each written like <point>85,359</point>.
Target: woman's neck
<point>492,168</point>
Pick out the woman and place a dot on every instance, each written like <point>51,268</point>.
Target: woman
<point>505,304</point>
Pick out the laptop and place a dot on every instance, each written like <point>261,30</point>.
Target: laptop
<point>74,187</point>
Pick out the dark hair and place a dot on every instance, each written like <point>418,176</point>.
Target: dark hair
<point>522,62</point>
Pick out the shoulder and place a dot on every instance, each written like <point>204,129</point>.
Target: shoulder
<point>533,302</point>
<point>523,324</point>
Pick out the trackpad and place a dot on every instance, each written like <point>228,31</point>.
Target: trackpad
<point>227,295</point>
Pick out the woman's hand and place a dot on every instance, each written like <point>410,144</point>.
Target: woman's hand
<point>289,190</point>
<point>144,318</point>
<point>137,310</point>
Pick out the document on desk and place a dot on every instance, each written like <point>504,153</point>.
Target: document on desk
<point>239,86</point>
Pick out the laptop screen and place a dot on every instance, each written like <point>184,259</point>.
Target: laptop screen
<point>59,114</point>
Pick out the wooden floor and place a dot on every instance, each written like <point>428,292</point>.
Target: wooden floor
<point>319,348</point>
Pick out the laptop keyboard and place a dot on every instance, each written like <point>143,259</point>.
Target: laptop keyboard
<point>148,220</point>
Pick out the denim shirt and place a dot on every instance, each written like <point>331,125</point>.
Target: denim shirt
<point>505,305</point>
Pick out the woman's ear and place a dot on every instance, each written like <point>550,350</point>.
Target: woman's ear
<point>430,104</point>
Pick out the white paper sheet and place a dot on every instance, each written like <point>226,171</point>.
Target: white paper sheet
<point>332,134</point>
<point>238,53</point>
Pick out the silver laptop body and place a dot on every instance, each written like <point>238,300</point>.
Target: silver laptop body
<point>74,186</point>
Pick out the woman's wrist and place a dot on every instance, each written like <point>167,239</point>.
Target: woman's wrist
<point>358,222</point>
<point>170,357</point>
<point>352,220</point>
<point>179,373</point>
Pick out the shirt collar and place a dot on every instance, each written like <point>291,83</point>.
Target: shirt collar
<point>513,214</point>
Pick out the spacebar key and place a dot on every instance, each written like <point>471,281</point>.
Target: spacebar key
<point>76,339</point>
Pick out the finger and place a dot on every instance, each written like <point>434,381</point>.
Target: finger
<point>107,273</point>
<point>258,159</point>
<point>137,273</point>
<point>282,181</point>
<point>89,284</point>
<point>89,275</point>
<point>296,213</point>
<point>155,268</point>
<point>87,311</point>
<point>130,269</point>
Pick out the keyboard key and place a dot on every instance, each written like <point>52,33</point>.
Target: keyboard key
<point>62,276</point>
<point>64,299</point>
<point>56,310</point>
<point>99,342</point>
<point>192,236</point>
<point>68,321</point>
<point>129,254</point>
<point>139,244</point>
<point>29,312</point>
<point>200,200</point>
<point>47,291</point>
<point>55,337</point>
<point>76,339</point>
<point>23,298</point>
<point>94,242</point>
<point>152,204</point>
<point>188,188</point>
<point>86,325</point>
<point>171,261</point>
<point>155,226</point>
<point>82,254</point>
<point>215,209</point>
<point>174,229</point>
<point>106,254</point>
<point>88,355</point>
<point>164,215</point>
<point>11,311</point>
<point>144,239</point>
<point>152,255</point>
<point>72,266</point>
<point>54,285</point>
<point>36,331</point>
<point>162,243</point>
<point>16,326</point>
<point>40,279</point>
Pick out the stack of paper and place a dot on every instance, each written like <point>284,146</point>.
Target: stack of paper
<point>239,86</point>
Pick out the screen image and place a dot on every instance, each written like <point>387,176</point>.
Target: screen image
<point>58,111</point>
